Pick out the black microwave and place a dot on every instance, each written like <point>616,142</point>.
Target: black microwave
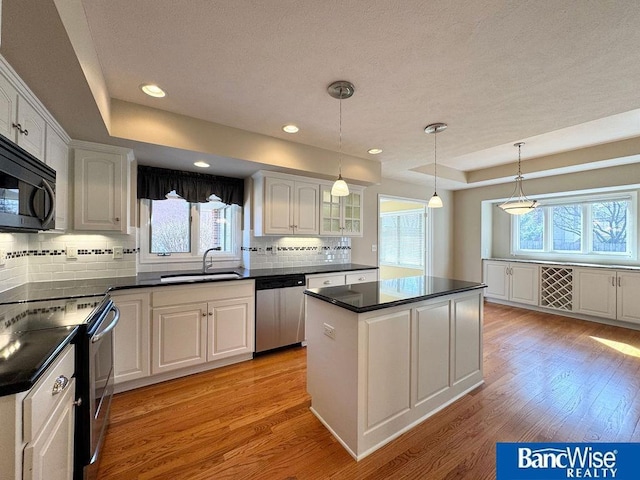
<point>27,190</point>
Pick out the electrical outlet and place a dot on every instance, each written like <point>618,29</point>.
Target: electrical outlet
<point>329,331</point>
<point>72,252</point>
<point>3,258</point>
<point>118,253</point>
<point>374,247</point>
<point>274,250</point>
<point>261,251</point>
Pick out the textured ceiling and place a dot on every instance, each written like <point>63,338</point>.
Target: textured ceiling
<point>557,74</point>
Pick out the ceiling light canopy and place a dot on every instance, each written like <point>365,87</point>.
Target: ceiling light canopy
<point>201,164</point>
<point>291,128</point>
<point>518,203</point>
<point>340,89</point>
<point>435,201</point>
<point>152,90</point>
<point>374,151</point>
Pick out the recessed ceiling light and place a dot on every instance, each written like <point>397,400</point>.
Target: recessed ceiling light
<point>201,164</point>
<point>374,151</point>
<point>152,90</point>
<point>291,128</point>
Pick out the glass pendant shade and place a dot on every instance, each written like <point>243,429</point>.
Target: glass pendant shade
<point>340,188</point>
<point>518,203</point>
<point>435,201</point>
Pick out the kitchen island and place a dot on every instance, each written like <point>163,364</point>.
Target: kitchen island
<point>383,356</point>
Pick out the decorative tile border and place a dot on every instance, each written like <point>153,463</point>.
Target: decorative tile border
<point>296,249</point>
<point>81,251</point>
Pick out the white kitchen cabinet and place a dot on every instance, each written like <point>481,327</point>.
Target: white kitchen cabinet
<point>321,280</point>
<point>608,293</point>
<point>197,324</point>
<point>179,337</point>
<point>132,337</point>
<point>230,327</point>
<point>511,281</point>
<point>20,121</point>
<point>285,205</point>
<point>341,216</point>
<point>48,422</point>
<point>57,157</point>
<point>101,187</point>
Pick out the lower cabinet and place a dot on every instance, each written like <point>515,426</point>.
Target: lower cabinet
<point>608,293</point>
<point>132,337</point>
<point>196,324</point>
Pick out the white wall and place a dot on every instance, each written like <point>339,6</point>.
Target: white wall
<point>442,224</point>
<point>467,221</point>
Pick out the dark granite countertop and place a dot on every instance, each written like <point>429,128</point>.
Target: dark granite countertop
<point>366,297</point>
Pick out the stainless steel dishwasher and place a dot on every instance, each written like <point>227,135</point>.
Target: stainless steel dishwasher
<point>279,311</point>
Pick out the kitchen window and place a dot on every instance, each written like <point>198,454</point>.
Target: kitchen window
<point>592,228</point>
<point>402,234</point>
<point>174,230</point>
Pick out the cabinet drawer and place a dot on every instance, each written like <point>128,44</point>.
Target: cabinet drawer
<point>326,281</point>
<point>361,277</point>
<point>45,394</point>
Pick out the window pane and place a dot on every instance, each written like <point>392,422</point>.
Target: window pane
<point>609,223</point>
<point>170,226</point>
<point>531,230</point>
<point>216,227</point>
<point>402,235</point>
<point>567,228</point>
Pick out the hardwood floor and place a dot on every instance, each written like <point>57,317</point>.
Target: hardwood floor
<point>547,378</point>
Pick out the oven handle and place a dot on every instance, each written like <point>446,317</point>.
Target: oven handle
<point>116,318</point>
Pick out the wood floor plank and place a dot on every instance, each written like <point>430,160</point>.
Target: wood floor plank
<point>547,378</point>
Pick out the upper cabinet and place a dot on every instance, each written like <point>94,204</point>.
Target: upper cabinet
<point>290,205</point>
<point>57,157</point>
<point>101,187</point>
<point>341,216</point>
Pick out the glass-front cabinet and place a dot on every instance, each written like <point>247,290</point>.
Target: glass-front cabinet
<point>341,216</point>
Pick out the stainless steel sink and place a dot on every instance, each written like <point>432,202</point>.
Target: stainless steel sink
<point>199,277</point>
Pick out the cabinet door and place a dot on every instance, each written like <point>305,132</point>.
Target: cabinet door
<point>179,337</point>
<point>230,328</point>
<point>57,157</point>
<point>278,206</point>
<point>523,283</point>
<point>33,125</point>
<point>307,209</point>
<point>131,340</point>
<point>596,292</point>
<point>628,304</point>
<point>99,191</point>
<point>50,455</point>
<point>330,216</point>
<point>352,214</point>
<point>496,279</point>
<point>8,109</point>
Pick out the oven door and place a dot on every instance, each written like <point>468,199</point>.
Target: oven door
<point>101,379</point>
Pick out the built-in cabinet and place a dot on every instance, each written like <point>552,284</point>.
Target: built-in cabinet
<point>321,280</point>
<point>608,293</point>
<point>290,205</point>
<point>132,337</point>
<point>25,121</point>
<point>37,434</point>
<point>516,282</point>
<point>287,206</point>
<point>101,187</point>
<point>594,291</point>
<point>341,216</point>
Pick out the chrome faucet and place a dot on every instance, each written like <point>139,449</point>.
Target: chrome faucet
<point>204,258</point>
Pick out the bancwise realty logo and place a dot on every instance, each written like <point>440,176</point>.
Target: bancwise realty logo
<point>552,461</point>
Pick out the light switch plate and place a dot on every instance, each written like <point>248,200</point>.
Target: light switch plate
<point>72,252</point>
<point>3,258</point>
<point>118,253</point>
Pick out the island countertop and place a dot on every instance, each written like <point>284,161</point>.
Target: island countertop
<point>370,296</point>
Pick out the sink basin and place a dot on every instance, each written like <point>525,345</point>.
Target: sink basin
<point>199,277</point>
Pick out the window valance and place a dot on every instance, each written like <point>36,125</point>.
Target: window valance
<point>154,183</point>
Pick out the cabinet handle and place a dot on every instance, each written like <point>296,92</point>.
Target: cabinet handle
<point>59,385</point>
<point>619,282</point>
<point>78,402</point>
<point>327,282</point>
<point>25,131</point>
<point>204,314</point>
<point>211,314</point>
<point>18,126</point>
<point>117,219</point>
<point>613,281</point>
<point>362,279</point>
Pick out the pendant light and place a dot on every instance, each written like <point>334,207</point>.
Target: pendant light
<point>435,201</point>
<point>340,89</point>
<point>518,203</point>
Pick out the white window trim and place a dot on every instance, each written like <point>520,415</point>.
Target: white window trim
<point>632,230</point>
<point>191,259</point>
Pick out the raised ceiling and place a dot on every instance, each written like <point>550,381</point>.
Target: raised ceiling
<point>559,75</point>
